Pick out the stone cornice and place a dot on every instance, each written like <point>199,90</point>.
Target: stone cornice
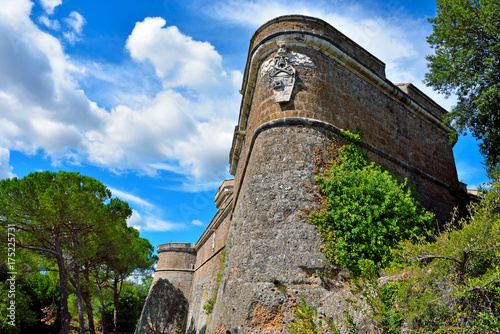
<point>214,254</point>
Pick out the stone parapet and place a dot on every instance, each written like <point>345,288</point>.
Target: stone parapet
<point>176,256</point>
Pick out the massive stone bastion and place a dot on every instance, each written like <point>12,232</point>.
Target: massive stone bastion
<point>304,82</point>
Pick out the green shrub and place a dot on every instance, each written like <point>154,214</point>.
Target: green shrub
<point>366,210</point>
<point>455,279</point>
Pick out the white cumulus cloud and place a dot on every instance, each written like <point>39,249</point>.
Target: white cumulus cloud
<point>158,130</point>
<point>151,224</point>
<point>5,168</point>
<point>42,107</point>
<point>196,222</point>
<point>179,60</point>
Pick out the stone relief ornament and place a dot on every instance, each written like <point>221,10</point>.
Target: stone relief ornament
<point>282,75</point>
<point>281,71</point>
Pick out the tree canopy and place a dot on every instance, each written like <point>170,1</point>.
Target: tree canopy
<point>466,62</point>
<point>74,220</point>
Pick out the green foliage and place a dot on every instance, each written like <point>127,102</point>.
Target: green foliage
<point>281,287</point>
<point>448,285</point>
<point>381,302</point>
<point>366,211</point>
<point>145,285</point>
<point>33,292</point>
<point>466,62</point>
<point>130,303</point>
<point>308,322</point>
<point>210,304</point>
<point>455,279</point>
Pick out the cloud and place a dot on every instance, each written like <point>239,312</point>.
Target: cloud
<point>389,33</point>
<point>145,221</point>
<point>159,126</point>
<point>151,224</point>
<point>206,152</point>
<point>37,79</point>
<point>196,222</point>
<point>133,138</point>
<point>159,225</point>
<point>50,5</point>
<point>136,221</point>
<point>75,22</point>
<point>185,132</point>
<point>179,60</point>
<point>131,198</point>
<point>51,24</point>
<point>5,168</point>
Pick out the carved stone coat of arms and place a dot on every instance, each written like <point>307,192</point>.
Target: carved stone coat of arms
<point>282,76</point>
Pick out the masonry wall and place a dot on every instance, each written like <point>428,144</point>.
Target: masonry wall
<point>167,303</point>
<point>211,250</point>
<point>272,248</point>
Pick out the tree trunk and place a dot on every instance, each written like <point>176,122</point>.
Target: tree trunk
<point>88,302</point>
<point>63,279</point>
<point>103,314</point>
<point>81,319</point>
<point>115,306</point>
<point>100,287</point>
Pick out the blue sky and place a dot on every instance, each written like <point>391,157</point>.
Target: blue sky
<point>143,95</point>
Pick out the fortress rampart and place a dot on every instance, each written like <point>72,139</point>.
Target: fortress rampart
<point>304,82</point>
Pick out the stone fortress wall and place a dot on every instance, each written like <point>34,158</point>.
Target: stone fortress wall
<point>304,81</point>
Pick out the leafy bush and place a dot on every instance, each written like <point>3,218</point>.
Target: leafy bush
<point>366,210</point>
<point>371,222</point>
<point>455,280</point>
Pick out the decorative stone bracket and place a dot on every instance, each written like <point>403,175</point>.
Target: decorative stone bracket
<point>282,75</point>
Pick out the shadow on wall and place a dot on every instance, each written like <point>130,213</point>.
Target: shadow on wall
<point>165,310</point>
<point>192,328</point>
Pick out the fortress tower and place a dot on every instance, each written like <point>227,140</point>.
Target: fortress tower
<point>176,263</point>
<point>304,82</point>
